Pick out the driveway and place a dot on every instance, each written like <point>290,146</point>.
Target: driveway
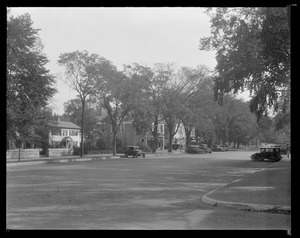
<point>153,193</point>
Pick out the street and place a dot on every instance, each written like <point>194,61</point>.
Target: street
<point>152,193</point>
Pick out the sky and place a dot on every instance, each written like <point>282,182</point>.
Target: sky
<point>122,35</point>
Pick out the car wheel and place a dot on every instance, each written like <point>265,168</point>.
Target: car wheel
<point>272,159</point>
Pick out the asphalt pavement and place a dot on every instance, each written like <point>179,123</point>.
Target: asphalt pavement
<point>156,192</point>
<point>77,158</point>
<point>267,190</point>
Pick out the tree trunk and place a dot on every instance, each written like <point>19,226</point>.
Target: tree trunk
<point>114,141</point>
<point>82,123</point>
<point>171,134</point>
<point>154,133</point>
<point>188,136</point>
<point>170,142</point>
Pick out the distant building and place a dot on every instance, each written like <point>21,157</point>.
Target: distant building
<point>128,134</point>
<point>65,134</point>
<point>180,137</point>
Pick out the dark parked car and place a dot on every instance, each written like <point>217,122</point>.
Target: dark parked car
<point>134,151</point>
<point>205,147</point>
<point>217,148</point>
<point>283,149</point>
<point>271,154</point>
<point>195,149</point>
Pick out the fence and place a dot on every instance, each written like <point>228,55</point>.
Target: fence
<point>54,152</point>
<point>93,152</point>
<point>23,154</point>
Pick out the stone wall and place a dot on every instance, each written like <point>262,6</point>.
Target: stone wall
<point>94,152</point>
<point>24,154</point>
<point>54,152</point>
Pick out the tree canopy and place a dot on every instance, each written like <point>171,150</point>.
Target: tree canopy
<point>29,83</point>
<point>73,109</point>
<point>85,73</point>
<point>253,52</point>
<point>119,99</point>
<point>149,83</point>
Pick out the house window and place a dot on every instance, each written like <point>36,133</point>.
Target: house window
<point>181,131</point>
<point>161,128</point>
<point>73,133</point>
<point>122,127</point>
<point>65,132</point>
<point>55,132</point>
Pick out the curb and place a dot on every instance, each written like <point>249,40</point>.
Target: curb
<point>244,206</point>
<point>60,160</point>
<point>54,160</point>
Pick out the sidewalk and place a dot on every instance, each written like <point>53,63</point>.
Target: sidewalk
<point>266,190</point>
<point>87,157</point>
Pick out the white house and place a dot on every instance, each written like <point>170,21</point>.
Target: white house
<point>180,136</point>
<point>65,134</point>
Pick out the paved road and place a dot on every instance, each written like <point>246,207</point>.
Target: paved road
<point>153,193</point>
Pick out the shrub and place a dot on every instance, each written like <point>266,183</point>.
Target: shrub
<point>144,147</point>
<point>120,150</point>
<point>76,150</point>
<point>100,144</point>
<point>175,146</point>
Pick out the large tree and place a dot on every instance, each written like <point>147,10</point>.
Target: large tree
<point>119,99</point>
<point>85,73</point>
<point>241,123</point>
<point>197,99</point>
<point>73,109</point>
<point>178,101</point>
<point>227,119</point>
<point>29,83</point>
<point>149,83</point>
<point>253,52</point>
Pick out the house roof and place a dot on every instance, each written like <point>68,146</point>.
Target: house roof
<point>66,124</point>
<point>101,118</point>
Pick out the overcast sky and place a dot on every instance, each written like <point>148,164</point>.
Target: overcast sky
<point>121,35</point>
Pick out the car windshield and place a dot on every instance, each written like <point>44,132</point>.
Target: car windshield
<point>268,149</point>
<point>132,147</point>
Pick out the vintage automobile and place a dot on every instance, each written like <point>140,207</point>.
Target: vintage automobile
<point>283,149</point>
<point>205,147</point>
<point>196,149</point>
<point>134,151</point>
<point>217,148</point>
<point>193,149</point>
<point>271,154</point>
